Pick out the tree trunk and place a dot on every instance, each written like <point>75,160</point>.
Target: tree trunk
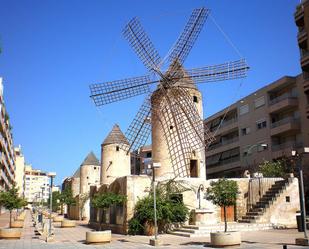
<point>10,218</point>
<point>225,222</point>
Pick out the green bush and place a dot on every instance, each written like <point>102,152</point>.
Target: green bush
<point>170,209</point>
<point>272,169</point>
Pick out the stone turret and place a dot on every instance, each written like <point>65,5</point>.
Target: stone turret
<point>160,149</point>
<point>115,162</point>
<point>89,173</point>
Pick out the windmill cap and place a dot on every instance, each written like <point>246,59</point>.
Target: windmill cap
<point>115,137</point>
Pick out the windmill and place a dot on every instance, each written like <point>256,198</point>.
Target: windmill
<point>170,105</point>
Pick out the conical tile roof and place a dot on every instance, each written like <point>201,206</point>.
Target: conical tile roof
<point>178,71</point>
<point>115,137</point>
<point>91,159</point>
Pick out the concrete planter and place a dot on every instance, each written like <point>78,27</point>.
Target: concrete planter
<point>68,223</point>
<point>19,218</point>
<point>10,233</point>
<point>221,239</point>
<point>17,224</point>
<point>98,236</point>
<point>58,218</point>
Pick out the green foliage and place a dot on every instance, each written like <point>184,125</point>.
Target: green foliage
<point>170,207</point>
<point>272,169</point>
<point>55,201</point>
<point>223,193</point>
<point>135,227</point>
<point>105,200</point>
<point>10,199</point>
<point>66,197</point>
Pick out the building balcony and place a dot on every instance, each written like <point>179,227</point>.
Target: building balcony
<point>226,126</point>
<point>282,102</point>
<point>224,145</point>
<point>223,165</point>
<point>304,61</point>
<point>285,125</point>
<point>284,149</point>
<point>302,39</point>
<point>306,85</point>
<point>299,15</point>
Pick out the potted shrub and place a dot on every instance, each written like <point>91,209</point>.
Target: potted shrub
<point>103,201</point>
<point>224,193</point>
<point>10,200</point>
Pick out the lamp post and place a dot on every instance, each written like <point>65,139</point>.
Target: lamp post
<point>298,157</point>
<point>51,175</point>
<point>155,241</point>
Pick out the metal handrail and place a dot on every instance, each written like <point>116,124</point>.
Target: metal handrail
<point>282,97</point>
<point>284,121</point>
<point>291,144</point>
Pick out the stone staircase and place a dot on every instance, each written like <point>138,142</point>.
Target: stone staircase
<point>258,210</point>
<point>193,231</point>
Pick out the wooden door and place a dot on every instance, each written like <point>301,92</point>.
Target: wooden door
<point>193,168</point>
<point>230,214</point>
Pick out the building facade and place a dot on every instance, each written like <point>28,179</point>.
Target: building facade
<point>19,170</point>
<point>36,185</point>
<point>265,125</point>
<point>7,157</point>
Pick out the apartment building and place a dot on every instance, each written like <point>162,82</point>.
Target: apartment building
<point>36,185</point>
<point>7,157</point>
<point>19,170</point>
<point>302,22</point>
<point>265,125</point>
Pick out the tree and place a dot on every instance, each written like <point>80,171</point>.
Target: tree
<point>67,198</point>
<point>223,193</point>
<point>55,201</point>
<point>10,200</point>
<point>82,199</point>
<point>272,169</point>
<point>106,200</point>
<point>169,203</point>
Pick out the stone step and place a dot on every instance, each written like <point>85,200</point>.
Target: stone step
<point>205,230</point>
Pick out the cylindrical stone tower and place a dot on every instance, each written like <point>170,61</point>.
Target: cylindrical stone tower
<point>161,153</point>
<point>89,173</point>
<point>115,162</point>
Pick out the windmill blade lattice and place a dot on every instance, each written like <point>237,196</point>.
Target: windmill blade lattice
<point>189,35</point>
<point>226,71</point>
<point>112,91</point>
<point>142,45</point>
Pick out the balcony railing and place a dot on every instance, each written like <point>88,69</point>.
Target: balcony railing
<point>284,121</point>
<point>290,144</point>
<point>282,97</point>
<point>223,162</point>
<point>225,142</point>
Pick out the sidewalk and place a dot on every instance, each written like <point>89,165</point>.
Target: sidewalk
<point>74,238</point>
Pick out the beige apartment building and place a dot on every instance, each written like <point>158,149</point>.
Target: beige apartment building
<point>36,185</point>
<point>265,125</point>
<point>19,170</point>
<point>7,157</point>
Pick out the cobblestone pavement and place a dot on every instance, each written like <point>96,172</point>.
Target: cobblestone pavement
<point>74,238</point>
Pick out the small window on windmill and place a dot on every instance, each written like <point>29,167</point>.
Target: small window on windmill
<point>195,99</point>
<point>287,199</point>
<point>117,148</point>
<point>171,127</point>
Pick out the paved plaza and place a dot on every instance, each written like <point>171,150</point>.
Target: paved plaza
<point>71,238</point>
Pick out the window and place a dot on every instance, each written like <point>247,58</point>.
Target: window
<point>148,155</point>
<point>243,109</point>
<point>95,167</point>
<point>195,99</point>
<point>259,102</point>
<point>261,124</point>
<point>117,148</point>
<point>245,131</point>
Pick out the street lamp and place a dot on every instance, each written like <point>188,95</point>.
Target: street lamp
<point>298,157</point>
<point>155,242</point>
<point>51,175</point>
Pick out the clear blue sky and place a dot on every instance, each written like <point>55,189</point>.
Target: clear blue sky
<point>53,50</point>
